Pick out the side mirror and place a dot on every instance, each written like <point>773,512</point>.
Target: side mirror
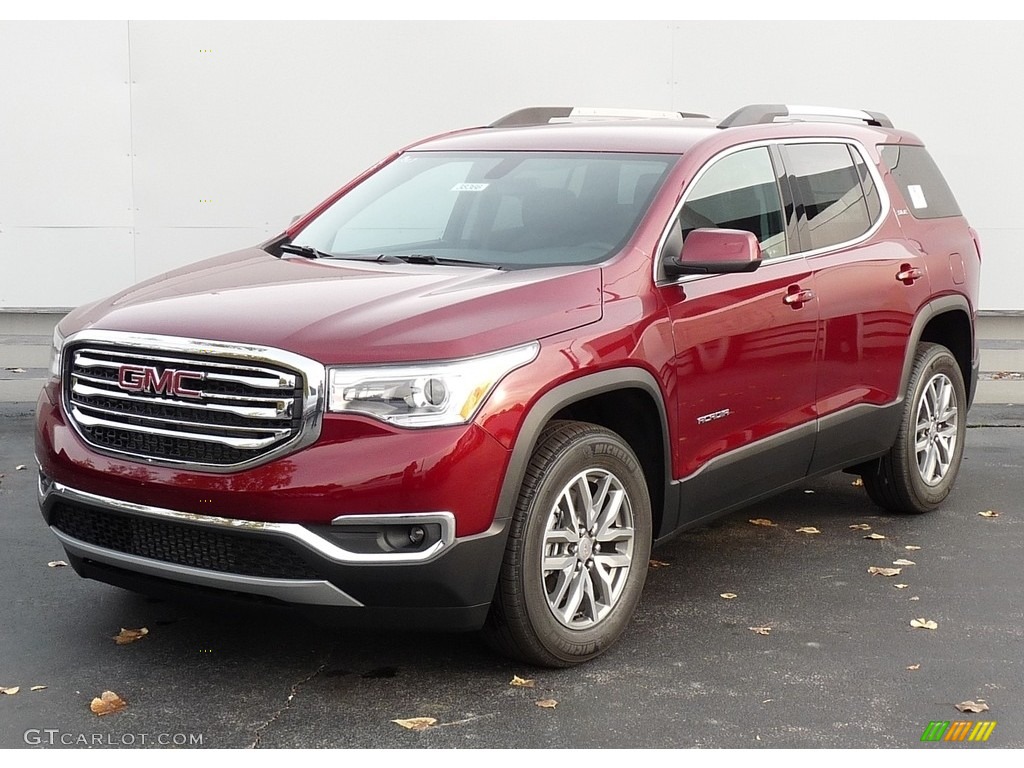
<point>716,252</point>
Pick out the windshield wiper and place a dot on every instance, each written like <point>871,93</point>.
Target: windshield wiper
<point>426,258</point>
<point>306,251</point>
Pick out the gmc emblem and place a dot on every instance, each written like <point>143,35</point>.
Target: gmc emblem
<point>146,378</point>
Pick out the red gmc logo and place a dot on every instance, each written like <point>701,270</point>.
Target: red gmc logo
<point>146,378</point>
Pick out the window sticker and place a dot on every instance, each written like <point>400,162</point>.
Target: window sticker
<point>469,187</point>
<point>917,198</point>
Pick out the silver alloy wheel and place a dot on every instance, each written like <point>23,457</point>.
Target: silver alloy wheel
<point>588,548</point>
<point>936,433</point>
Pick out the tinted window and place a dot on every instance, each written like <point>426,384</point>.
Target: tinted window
<point>829,187</point>
<point>739,192</point>
<point>920,181</point>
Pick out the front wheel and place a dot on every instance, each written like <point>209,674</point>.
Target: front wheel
<point>918,472</point>
<point>578,549</point>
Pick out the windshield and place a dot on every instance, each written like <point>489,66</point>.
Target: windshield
<point>510,209</point>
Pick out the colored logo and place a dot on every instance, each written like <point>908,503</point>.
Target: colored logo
<point>959,730</point>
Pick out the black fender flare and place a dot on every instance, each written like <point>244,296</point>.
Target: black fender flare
<point>926,314</point>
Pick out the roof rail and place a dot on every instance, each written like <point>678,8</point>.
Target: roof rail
<point>755,114</point>
<point>545,115</point>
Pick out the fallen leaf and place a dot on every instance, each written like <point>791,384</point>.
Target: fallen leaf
<point>729,595</point>
<point>915,598</point>
<point>911,548</point>
<point>912,667</point>
<point>763,521</point>
<point>416,723</point>
<point>874,536</point>
<point>973,706</point>
<point>127,636</point>
<point>876,570</point>
<point>107,703</point>
<point>858,482</point>
<point>923,624</point>
<point>19,468</point>
<point>901,586</point>
<point>56,564</point>
<point>903,561</point>
<point>10,691</point>
<point>808,529</point>
<point>760,630</point>
<point>521,682</point>
<point>808,491</point>
<point>860,527</point>
<point>39,687</point>
<point>989,513</point>
<point>546,703</point>
<point>15,370</point>
<point>658,564</point>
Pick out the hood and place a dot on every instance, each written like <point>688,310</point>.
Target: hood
<point>349,311</point>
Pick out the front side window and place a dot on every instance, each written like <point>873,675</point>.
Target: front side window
<point>739,191</point>
<point>829,185</point>
<point>510,209</point>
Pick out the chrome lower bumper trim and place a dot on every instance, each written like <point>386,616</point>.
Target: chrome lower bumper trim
<point>294,531</point>
<point>288,590</point>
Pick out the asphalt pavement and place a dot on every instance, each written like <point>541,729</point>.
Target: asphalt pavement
<point>840,666</point>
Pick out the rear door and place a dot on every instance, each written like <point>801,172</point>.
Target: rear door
<point>870,285</point>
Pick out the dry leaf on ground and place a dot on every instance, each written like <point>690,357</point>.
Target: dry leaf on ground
<point>15,370</point>
<point>808,491</point>
<point>658,564</point>
<point>923,624</point>
<point>860,527</point>
<point>973,706</point>
<point>989,513</point>
<point>19,467</point>
<point>911,548</point>
<point>56,564</point>
<point>39,687</point>
<point>912,667</point>
<point>763,521</point>
<point>107,703</point>
<point>10,691</point>
<point>728,595</point>
<point>874,536</point>
<point>760,630</point>
<point>901,586</point>
<point>416,723</point>
<point>808,529</point>
<point>130,635</point>
<point>903,561</point>
<point>876,570</point>
<point>915,598</point>
<point>521,682</point>
<point>858,482</point>
<point>546,703</point>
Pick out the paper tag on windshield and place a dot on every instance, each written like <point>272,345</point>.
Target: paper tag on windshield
<point>917,198</point>
<point>469,187</point>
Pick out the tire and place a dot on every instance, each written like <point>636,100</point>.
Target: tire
<point>577,608</point>
<point>919,470</point>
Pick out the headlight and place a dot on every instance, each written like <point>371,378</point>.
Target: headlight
<point>56,348</point>
<point>424,394</point>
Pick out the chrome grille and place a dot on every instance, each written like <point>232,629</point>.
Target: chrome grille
<point>200,407</point>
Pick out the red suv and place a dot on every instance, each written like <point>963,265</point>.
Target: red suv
<point>472,388</point>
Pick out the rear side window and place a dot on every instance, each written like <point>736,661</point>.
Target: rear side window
<point>920,181</point>
<point>831,186</point>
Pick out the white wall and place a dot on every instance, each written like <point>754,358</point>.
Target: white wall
<point>127,149</point>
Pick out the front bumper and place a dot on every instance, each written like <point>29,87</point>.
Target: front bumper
<point>444,582</point>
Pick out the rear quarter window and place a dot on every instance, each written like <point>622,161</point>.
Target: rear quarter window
<point>926,192</point>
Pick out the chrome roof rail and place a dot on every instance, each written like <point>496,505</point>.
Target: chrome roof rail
<point>545,115</point>
<point>756,114</point>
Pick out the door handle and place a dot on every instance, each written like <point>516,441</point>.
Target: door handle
<point>908,274</point>
<point>796,296</point>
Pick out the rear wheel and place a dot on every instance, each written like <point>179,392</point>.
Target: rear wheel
<point>578,549</point>
<point>918,472</point>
